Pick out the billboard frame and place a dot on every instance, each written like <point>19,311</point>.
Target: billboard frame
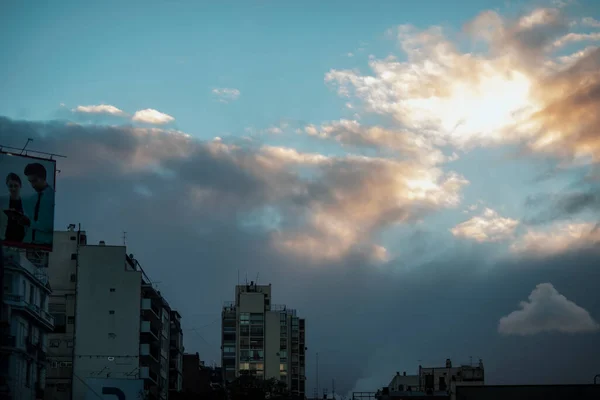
<point>23,152</point>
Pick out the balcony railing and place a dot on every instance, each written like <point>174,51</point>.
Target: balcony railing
<point>19,301</point>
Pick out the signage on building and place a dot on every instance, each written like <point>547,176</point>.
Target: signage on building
<point>114,389</point>
<point>27,201</point>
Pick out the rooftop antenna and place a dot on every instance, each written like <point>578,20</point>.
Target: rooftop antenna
<point>238,277</point>
<point>124,238</point>
<point>29,140</point>
<point>256,281</point>
<point>246,277</point>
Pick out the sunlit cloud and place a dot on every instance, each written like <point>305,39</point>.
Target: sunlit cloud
<point>487,227</point>
<point>547,311</point>
<point>99,109</point>
<point>151,116</point>
<point>517,91</point>
<point>557,238</point>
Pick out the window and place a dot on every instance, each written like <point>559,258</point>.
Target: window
<point>112,335</point>
<point>283,354</point>
<point>112,289</point>
<point>54,364</point>
<point>74,256</point>
<point>7,283</point>
<point>73,238</point>
<point>282,367</point>
<point>257,318</point>
<point>111,312</point>
<point>55,343</point>
<point>69,343</point>
<point>244,366</point>
<point>60,325</point>
<point>71,320</point>
<point>31,294</point>
<point>73,278</point>
<point>244,318</point>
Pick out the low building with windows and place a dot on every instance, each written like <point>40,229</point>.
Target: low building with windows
<point>263,339</point>
<point>25,325</point>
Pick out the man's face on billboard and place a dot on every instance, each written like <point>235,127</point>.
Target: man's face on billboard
<point>37,182</point>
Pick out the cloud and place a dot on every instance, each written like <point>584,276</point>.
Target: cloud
<point>547,311</point>
<point>403,143</point>
<point>152,116</point>
<point>226,95</point>
<point>518,90</point>
<point>557,238</point>
<point>329,207</point>
<point>99,109</point>
<point>563,205</point>
<point>591,22</point>
<point>487,227</point>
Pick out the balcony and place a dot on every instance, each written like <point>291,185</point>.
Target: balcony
<point>18,302</point>
<point>147,351</point>
<point>146,329</point>
<point>149,309</point>
<point>147,373</point>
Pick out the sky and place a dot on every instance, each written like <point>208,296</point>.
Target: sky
<point>418,179</point>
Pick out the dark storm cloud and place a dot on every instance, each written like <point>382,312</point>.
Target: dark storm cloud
<point>563,205</point>
<point>184,229</point>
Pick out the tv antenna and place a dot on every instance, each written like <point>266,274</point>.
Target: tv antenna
<point>124,238</point>
<point>29,140</point>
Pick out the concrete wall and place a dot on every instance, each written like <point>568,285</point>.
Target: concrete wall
<point>272,335</point>
<point>252,302</point>
<point>61,269</point>
<point>107,317</point>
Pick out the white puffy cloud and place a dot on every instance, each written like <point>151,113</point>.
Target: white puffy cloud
<point>99,109</point>
<point>152,116</point>
<point>547,311</point>
<point>226,95</point>
<point>487,227</point>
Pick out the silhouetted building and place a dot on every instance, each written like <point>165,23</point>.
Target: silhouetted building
<point>25,325</point>
<point>112,322</point>
<point>529,392</point>
<point>263,339</point>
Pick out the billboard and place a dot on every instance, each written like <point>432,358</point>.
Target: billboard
<point>27,201</point>
<point>114,389</point>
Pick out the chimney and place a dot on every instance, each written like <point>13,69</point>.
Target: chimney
<point>102,243</point>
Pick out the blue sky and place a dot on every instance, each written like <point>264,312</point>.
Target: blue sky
<point>430,149</point>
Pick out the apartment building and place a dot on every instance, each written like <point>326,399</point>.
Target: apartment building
<point>176,350</point>
<point>25,324</point>
<point>263,339</point>
<point>446,378</point>
<point>62,277</point>
<point>114,325</point>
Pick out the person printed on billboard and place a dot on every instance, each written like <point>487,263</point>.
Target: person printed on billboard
<point>39,209</point>
<point>12,230</point>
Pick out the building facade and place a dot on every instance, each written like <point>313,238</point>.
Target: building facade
<point>176,350</point>
<point>113,324</point>
<point>62,267</point>
<point>25,323</point>
<point>263,339</point>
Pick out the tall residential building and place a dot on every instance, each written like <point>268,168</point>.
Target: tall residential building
<point>62,277</point>
<point>263,339</point>
<point>176,354</point>
<point>25,325</point>
<point>115,324</point>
